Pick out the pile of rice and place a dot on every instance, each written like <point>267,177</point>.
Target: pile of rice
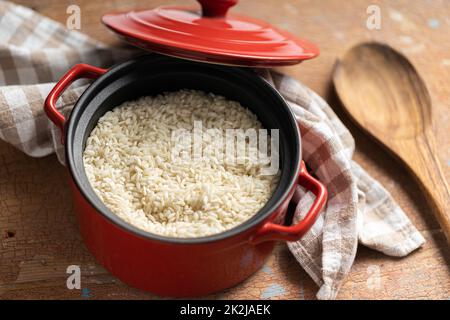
<point>129,165</point>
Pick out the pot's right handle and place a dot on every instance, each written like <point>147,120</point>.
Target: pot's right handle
<point>78,71</point>
<point>272,231</point>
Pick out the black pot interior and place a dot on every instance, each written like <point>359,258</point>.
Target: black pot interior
<point>153,74</point>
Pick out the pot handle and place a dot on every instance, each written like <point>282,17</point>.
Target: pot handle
<point>78,71</point>
<point>273,231</point>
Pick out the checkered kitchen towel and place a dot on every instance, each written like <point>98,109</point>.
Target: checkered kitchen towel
<point>35,52</point>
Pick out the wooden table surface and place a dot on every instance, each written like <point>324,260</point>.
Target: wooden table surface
<point>39,232</point>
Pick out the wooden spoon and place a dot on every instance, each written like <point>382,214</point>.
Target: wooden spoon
<point>384,94</point>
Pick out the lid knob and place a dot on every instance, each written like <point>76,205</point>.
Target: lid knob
<point>216,8</point>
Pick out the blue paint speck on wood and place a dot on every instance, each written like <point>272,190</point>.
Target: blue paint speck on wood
<point>433,23</point>
<point>85,293</point>
<point>272,291</point>
<point>267,269</point>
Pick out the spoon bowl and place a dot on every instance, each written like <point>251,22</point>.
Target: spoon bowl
<point>383,93</point>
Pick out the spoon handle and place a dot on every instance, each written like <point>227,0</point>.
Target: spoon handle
<point>420,154</point>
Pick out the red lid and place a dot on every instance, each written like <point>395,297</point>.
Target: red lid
<point>210,36</point>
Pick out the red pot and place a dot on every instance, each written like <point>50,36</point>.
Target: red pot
<point>174,266</point>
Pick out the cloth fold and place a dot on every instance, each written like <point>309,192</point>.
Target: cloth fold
<point>36,51</point>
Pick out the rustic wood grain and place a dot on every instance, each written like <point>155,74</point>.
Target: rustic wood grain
<point>37,224</point>
<point>383,93</point>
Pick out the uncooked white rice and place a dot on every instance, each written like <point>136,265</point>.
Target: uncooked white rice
<point>129,165</point>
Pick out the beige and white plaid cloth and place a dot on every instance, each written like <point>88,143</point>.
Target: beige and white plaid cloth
<point>36,51</point>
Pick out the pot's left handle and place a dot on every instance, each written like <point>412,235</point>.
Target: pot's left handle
<point>273,231</point>
<point>77,72</point>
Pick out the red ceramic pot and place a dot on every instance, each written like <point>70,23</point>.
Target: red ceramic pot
<point>181,267</point>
